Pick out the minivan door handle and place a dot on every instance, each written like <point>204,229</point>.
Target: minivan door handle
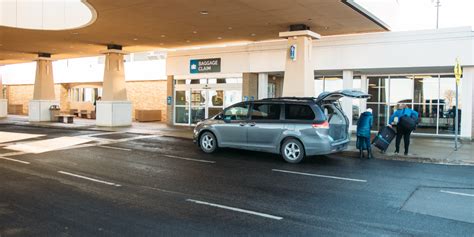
<point>252,124</point>
<point>242,124</point>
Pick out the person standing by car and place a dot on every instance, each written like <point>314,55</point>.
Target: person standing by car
<point>405,119</point>
<point>364,125</point>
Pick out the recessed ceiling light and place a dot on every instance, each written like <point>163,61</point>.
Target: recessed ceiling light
<point>253,34</point>
<point>229,28</point>
<point>163,36</point>
<point>187,41</point>
<point>161,44</point>
<point>195,32</point>
<point>219,38</point>
<point>75,33</point>
<point>135,39</point>
<point>326,27</point>
<point>71,47</point>
<point>204,12</point>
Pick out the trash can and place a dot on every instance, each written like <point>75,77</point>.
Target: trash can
<point>54,112</point>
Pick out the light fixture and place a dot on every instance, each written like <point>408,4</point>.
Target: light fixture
<point>188,41</point>
<point>135,39</point>
<point>229,28</point>
<point>161,44</point>
<point>253,34</point>
<point>75,33</point>
<point>204,12</point>
<point>163,36</point>
<point>195,32</point>
<point>219,38</point>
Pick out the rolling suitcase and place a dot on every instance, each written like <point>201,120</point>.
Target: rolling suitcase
<point>384,138</point>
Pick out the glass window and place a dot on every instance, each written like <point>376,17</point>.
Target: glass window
<point>238,112</point>
<point>318,86</point>
<point>216,98</point>
<point>401,90</point>
<point>332,83</point>
<point>447,104</point>
<point>182,115</point>
<point>232,96</point>
<point>266,111</point>
<point>182,98</point>
<point>300,112</point>
<point>198,98</point>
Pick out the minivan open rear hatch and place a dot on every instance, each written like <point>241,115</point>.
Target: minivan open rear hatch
<point>336,95</point>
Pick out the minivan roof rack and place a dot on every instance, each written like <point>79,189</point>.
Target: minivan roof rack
<point>290,98</point>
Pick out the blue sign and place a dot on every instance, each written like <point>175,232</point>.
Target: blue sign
<point>293,52</point>
<point>205,65</point>
<point>168,100</point>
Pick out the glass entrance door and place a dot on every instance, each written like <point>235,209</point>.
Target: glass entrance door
<point>196,102</point>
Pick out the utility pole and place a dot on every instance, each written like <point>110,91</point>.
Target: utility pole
<point>438,5</point>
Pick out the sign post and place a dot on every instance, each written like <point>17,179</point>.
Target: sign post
<point>457,74</point>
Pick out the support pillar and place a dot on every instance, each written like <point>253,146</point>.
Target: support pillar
<point>114,110</point>
<point>170,100</point>
<point>347,83</point>
<point>466,99</point>
<point>249,86</point>
<point>3,100</point>
<point>299,68</point>
<point>262,85</point>
<point>43,94</point>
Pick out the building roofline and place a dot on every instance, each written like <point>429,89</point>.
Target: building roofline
<point>358,8</point>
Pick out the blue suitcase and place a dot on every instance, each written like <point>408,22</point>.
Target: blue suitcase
<point>384,138</point>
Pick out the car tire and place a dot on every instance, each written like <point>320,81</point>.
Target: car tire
<point>292,151</point>
<point>208,142</point>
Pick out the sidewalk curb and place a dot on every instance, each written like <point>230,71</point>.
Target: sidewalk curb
<point>415,159</point>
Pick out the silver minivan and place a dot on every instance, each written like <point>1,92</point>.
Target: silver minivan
<point>294,127</point>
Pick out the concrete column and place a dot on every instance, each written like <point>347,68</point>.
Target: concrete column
<point>3,101</point>
<point>299,68</point>
<point>347,83</point>
<point>170,106</point>
<point>43,94</point>
<point>249,86</point>
<point>262,85</point>
<point>466,98</point>
<point>114,110</point>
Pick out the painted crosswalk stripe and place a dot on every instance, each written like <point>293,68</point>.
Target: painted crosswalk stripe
<point>190,159</point>
<point>88,178</point>
<point>457,193</point>
<point>320,175</point>
<point>116,148</point>
<point>235,209</point>
<point>15,160</point>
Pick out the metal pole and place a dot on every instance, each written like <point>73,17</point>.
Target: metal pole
<point>438,4</point>
<point>456,121</point>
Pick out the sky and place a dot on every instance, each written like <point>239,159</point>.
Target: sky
<point>402,15</point>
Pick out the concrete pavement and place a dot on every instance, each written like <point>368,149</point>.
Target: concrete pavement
<point>131,184</point>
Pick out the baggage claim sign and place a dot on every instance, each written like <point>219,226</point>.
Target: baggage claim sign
<point>205,65</point>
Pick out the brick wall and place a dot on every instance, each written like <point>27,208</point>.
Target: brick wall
<point>142,94</point>
<point>148,95</point>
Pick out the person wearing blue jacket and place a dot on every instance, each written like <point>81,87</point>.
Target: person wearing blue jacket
<point>403,111</point>
<point>364,125</point>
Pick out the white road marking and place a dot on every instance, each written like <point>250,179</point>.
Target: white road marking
<point>235,209</point>
<point>91,179</point>
<point>19,161</point>
<point>41,146</point>
<point>456,193</point>
<point>320,176</point>
<point>190,159</point>
<point>14,136</point>
<point>116,148</point>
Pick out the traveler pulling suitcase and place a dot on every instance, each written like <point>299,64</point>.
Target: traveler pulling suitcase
<point>384,138</point>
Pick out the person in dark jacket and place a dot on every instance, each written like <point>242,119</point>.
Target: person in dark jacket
<point>364,125</point>
<point>403,111</point>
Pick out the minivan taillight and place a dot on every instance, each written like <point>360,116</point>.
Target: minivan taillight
<point>324,124</point>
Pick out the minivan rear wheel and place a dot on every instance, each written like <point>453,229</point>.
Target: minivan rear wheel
<point>292,151</point>
<point>208,142</point>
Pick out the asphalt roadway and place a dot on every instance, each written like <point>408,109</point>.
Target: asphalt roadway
<point>139,185</point>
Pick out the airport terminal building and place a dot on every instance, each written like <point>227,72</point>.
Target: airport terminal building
<point>189,84</point>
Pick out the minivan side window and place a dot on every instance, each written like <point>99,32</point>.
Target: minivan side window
<point>237,112</point>
<point>265,111</point>
<point>298,112</point>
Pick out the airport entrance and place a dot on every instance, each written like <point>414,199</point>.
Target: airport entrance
<point>198,99</point>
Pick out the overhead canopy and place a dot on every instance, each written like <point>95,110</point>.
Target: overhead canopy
<point>141,25</point>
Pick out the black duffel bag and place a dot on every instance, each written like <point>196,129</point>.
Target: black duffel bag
<point>407,123</point>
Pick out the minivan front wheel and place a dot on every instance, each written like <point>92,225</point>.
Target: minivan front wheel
<point>292,151</point>
<point>208,142</point>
